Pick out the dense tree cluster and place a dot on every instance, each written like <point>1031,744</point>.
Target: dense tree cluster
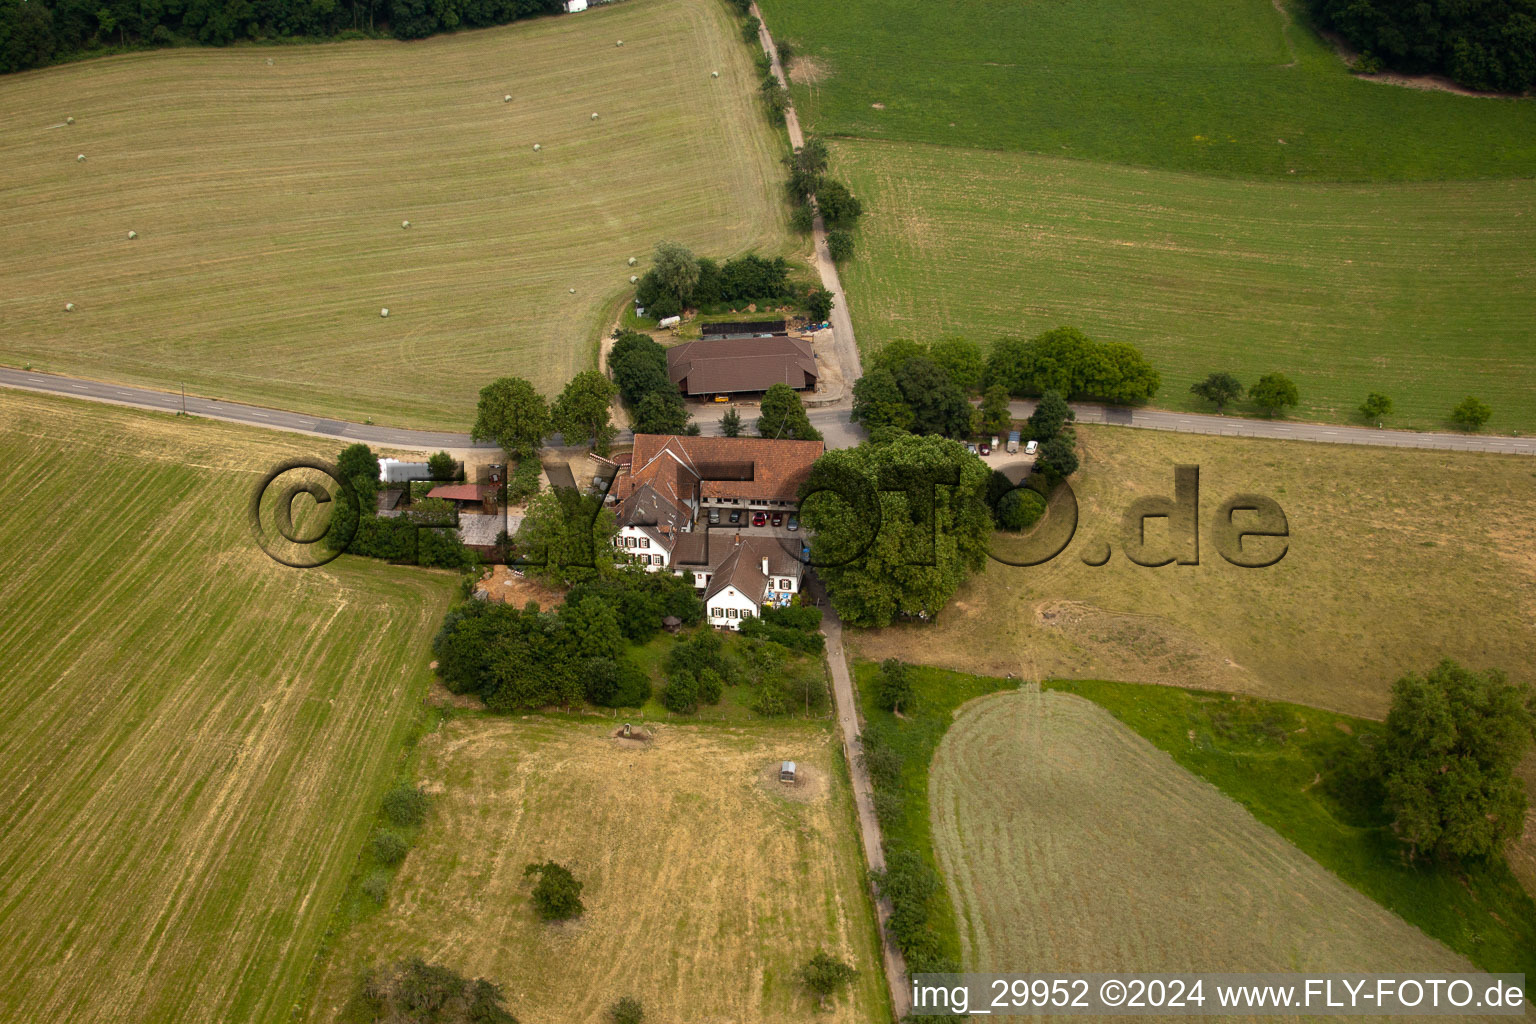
<point>796,628</point>
<point>1483,44</point>
<point>680,280</point>
<point>416,992</point>
<point>897,527</point>
<point>639,368</point>
<point>914,387</point>
<point>784,416</point>
<point>35,32</point>
<point>520,659</point>
<point>641,599</point>
<point>1068,361</point>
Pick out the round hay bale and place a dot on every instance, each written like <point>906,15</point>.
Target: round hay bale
<point>633,279</point>
<point>536,147</point>
<point>405,224</point>
<point>633,261</point>
<point>714,74</point>
<point>384,312</point>
<point>594,115</point>
<point>69,307</point>
<point>80,159</point>
<point>507,98</point>
<point>69,120</point>
<point>573,291</point>
<point>619,43</point>
<point>132,235</point>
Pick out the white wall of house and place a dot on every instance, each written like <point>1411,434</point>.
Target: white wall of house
<point>729,607</point>
<point>634,541</point>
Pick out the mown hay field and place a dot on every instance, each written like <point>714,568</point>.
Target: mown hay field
<point>1069,843</point>
<point>195,738</point>
<point>1423,291</point>
<point>268,201</point>
<point>1396,559</point>
<point>706,882</point>
<point>1225,87</point>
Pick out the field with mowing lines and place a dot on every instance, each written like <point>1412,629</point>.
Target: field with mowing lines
<point>194,738</point>
<point>1223,87</point>
<point>1035,796</point>
<point>1424,291</point>
<point>268,202</point>
<point>1397,559</point>
<point>705,885</point>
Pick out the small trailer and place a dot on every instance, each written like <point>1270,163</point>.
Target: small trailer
<point>1013,442</point>
<point>787,772</point>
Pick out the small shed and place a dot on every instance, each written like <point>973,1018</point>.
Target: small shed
<point>787,771</point>
<point>671,623</point>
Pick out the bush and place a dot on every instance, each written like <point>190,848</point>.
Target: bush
<point>524,482</point>
<point>626,1011</point>
<point>1068,361</point>
<point>825,976</point>
<point>388,847</point>
<point>1019,509</point>
<point>893,687</point>
<point>405,806</point>
<point>557,894</point>
<point>839,246</point>
<point>1471,414</point>
<point>711,687</point>
<point>749,27</point>
<point>839,206</point>
<point>442,467</point>
<point>376,887</point>
<point>681,694</point>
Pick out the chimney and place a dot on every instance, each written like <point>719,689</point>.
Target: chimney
<point>765,565</point>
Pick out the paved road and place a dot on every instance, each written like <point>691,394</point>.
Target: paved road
<point>863,796</point>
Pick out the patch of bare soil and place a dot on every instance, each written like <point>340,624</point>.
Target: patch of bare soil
<point>503,585</point>
<point>810,785</point>
<point>440,696</point>
<point>808,70</point>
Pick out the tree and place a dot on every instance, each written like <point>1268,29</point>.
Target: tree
<point>1376,406</point>
<point>839,246</point>
<point>1050,416</point>
<point>639,366</point>
<point>1067,360</point>
<point>676,270</point>
<point>783,416</point>
<point>360,468</point>
<point>884,552</point>
<point>512,414</point>
<point>1218,389</point>
<point>894,353</point>
<point>730,423</point>
<point>441,466</point>
<point>961,359</point>
<point>567,535</point>
<point>893,686</point>
<point>996,416</point>
<point>626,1011</point>
<point>1447,758</point>
<point>680,695</point>
<point>581,411</point>
<point>1058,457</point>
<point>819,304</point>
<point>415,992</point>
<point>826,976</point>
<point>594,628</point>
<point>839,207</point>
<point>806,167</point>
<point>938,405</point>
<point>557,894</point>
<point>661,413</point>
<point>878,401</point>
<point>1019,509</point>
<point>1273,393</point>
<point>1471,414</point>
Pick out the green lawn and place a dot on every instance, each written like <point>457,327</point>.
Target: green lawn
<point>195,738</point>
<point>1221,87</point>
<point>1424,291</point>
<point>1289,765</point>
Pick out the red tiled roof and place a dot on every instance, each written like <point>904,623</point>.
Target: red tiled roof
<point>744,364</point>
<point>460,492</point>
<point>758,468</point>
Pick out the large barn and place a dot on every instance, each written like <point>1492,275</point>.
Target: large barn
<point>742,365</point>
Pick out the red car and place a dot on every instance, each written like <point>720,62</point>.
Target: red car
<point>759,519</point>
<point>778,519</point>
<point>986,449</point>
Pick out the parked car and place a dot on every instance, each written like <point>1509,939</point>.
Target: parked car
<point>794,523</point>
<point>714,515</point>
<point>778,519</point>
<point>759,519</point>
<point>1032,447</point>
<point>735,517</point>
<point>972,448</point>
<point>986,449</point>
